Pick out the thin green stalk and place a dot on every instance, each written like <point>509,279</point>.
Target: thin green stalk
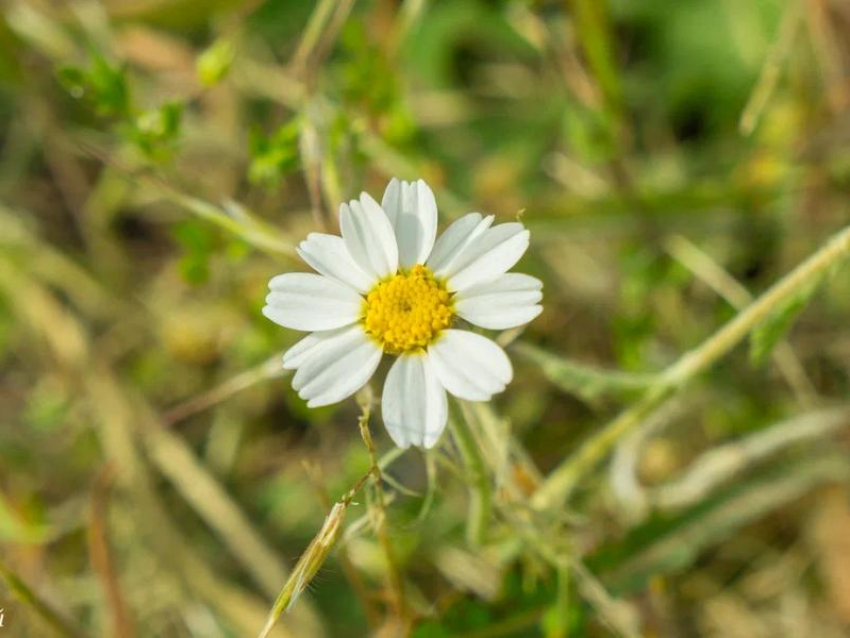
<point>18,587</point>
<point>315,26</point>
<point>560,484</point>
<point>594,33</point>
<point>563,605</point>
<point>480,496</point>
<point>772,69</point>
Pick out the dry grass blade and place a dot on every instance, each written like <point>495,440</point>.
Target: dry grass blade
<point>205,494</point>
<point>587,382</point>
<point>58,625</point>
<point>269,369</point>
<point>312,33</point>
<point>117,418</point>
<point>725,462</point>
<point>676,550</point>
<point>312,559</point>
<point>101,555</point>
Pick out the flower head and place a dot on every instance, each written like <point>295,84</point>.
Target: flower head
<point>388,285</point>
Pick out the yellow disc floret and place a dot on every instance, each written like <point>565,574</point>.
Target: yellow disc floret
<point>407,311</point>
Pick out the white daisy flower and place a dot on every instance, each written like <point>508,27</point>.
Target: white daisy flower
<point>389,286</point>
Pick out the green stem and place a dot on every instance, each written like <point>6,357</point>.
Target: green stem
<point>563,603</point>
<point>560,484</point>
<point>395,582</point>
<point>480,497</point>
<point>315,26</point>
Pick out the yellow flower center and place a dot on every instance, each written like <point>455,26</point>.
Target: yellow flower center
<point>407,311</point>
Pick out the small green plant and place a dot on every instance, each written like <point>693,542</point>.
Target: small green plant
<point>276,155</point>
<point>105,88</point>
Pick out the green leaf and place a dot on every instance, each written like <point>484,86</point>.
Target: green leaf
<point>15,528</point>
<point>214,64</point>
<point>110,86</point>
<point>586,382</point>
<point>431,629</point>
<point>766,335</point>
<point>274,156</point>
<point>198,241</point>
<point>73,80</point>
<point>155,132</point>
<point>103,84</point>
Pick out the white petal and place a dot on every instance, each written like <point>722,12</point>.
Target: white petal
<point>327,255</point>
<point>413,404</point>
<point>455,239</point>
<point>369,236</point>
<point>412,211</point>
<point>300,352</point>
<point>304,301</point>
<point>311,345</point>
<point>509,301</point>
<point>337,368</point>
<point>391,201</point>
<point>488,256</point>
<point>470,366</point>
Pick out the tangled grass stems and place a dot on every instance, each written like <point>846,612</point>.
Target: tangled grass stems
<point>561,483</point>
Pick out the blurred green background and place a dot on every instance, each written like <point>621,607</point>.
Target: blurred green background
<point>159,161</point>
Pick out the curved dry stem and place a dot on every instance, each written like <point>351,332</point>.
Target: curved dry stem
<point>723,463</point>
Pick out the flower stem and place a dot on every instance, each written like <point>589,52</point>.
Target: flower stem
<point>395,582</point>
<point>560,484</point>
<point>480,498</point>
